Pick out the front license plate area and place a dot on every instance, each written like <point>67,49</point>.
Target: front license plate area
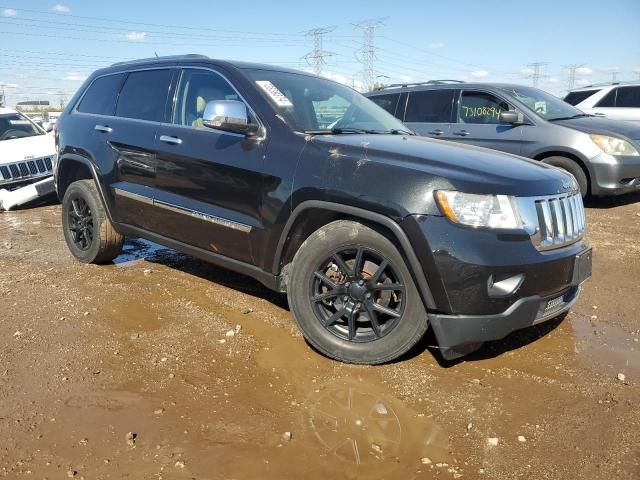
<point>582,267</point>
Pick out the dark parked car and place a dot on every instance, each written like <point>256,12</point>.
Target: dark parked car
<point>374,233</point>
<point>602,154</point>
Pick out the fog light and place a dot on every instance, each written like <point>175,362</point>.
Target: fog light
<point>503,285</point>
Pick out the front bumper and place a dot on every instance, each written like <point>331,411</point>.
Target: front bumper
<point>461,264</point>
<point>459,335</point>
<point>614,175</point>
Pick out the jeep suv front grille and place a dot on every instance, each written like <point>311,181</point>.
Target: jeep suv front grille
<point>24,170</point>
<point>561,221</point>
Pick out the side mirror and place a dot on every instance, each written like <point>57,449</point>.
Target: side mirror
<point>229,116</point>
<point>47,126</point>
<point>514,118</point>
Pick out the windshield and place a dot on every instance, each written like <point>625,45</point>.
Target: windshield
<point>315,105</point>
<point>16,125</point>
<point>544,104</point>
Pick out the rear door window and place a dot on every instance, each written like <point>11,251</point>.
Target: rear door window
<point>144,95</point>
<point>430,106</point>
<point>481,108</point>
<point>628,97</point>
<point>100,97</point>
<point>574,98</point>
<point>389,102</point>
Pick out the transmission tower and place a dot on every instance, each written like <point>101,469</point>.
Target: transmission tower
<point>536,75</point>
<point>366,55</point>
<point>614,76</point>
<point>572,74</point>
<point>316,57</point>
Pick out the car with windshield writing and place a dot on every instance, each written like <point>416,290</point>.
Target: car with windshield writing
<point>601,154</point>
<point>375,234</point>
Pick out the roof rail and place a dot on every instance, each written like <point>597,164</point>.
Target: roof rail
<point>607,84</point>
<point>189,56</point>
<point>418,84</point>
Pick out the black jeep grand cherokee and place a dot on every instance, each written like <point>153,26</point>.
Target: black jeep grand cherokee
<point>302,183</point>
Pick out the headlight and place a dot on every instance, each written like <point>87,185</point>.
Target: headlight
<point>492,211</point>
<point>614,146</point>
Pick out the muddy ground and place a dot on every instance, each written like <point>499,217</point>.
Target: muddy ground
<point>161,366</point>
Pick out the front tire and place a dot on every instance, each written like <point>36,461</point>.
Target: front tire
<point>353,296</point>
<point>574,169</point>
<point>88,232</point>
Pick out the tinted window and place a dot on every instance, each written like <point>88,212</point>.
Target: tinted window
<point>628,97</point>
<point>434,106</point>
<point>575,98</point>
<point>388,102</point>
<point>197,88</point>
<point>144,95</point>
<point>100,97</point>
<point>609,99</point>
<point>479,107</point>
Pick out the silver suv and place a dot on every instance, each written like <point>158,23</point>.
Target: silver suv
<point>602,154</point>
<point>614,100</point>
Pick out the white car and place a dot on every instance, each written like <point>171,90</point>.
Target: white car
<point>616,101</point>
<point>26,159</point>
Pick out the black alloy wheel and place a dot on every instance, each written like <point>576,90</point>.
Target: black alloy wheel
<point>81,223</point>
<point>357,294</point>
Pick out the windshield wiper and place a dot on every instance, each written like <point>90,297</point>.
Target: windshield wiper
<point>396,131</point>
<point>579,115</point>
<point>339,131</point>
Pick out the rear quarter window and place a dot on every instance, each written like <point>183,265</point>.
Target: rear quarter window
<point>609,100</point>
<point>144,95</point>
<point>100,97</point>
<point>574,98</point>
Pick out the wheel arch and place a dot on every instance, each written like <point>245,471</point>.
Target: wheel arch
<point>71,168</point>
<point>571,155</point>
<point>319,213</point>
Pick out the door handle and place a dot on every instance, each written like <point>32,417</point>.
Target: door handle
<point>170,140</point>
<point>103,128</point>
<point>461,133</point>
<point>436,132</point>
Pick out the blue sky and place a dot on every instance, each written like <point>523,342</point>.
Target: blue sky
<point>47,48</point>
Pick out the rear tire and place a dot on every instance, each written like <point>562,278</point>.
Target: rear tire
<point>353,296</point>
<point>88,232</point>
<point>574,169</point>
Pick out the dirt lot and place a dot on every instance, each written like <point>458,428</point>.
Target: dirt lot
<point>161,366</point>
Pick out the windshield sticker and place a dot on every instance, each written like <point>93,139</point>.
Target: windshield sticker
<point>19,122</point>
<point>540,107</point>
<point>471,112</point>
<point>276,95</point>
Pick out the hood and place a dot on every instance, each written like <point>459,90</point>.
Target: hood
<point>21,149</point>
<point>452,165</point>
<point>603,126</point>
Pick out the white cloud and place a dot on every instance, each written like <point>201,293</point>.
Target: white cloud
<point>610,69</point>
<point>581,82</point>
<point>479,74</point>
<point>135,36</point>
<point>9,12</point>
<point>636,70</point>
<point>405,78</point>
<point>75,77</point>
<point>60,8</point>
<point>336,77</point>
<point>584,71</point>
<point>553,80</point>
<point>526,71</point>
<point>436,45</point>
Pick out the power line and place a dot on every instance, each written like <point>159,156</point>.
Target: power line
<point>536,75</point>
<point>366,55</point>
<point>317,55</point>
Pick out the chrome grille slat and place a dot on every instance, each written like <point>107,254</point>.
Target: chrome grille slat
<point>560,220</point>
